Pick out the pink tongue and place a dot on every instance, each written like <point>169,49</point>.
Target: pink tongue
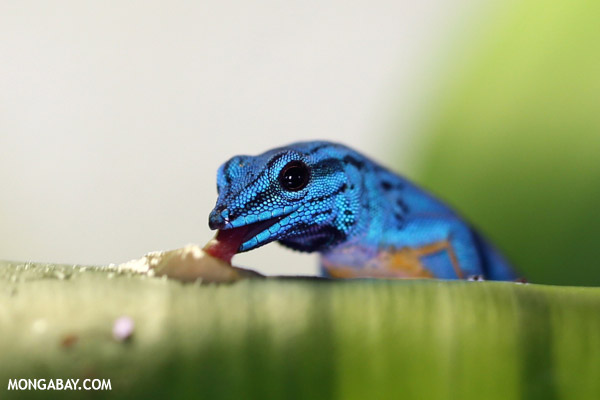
<point>226,243</point>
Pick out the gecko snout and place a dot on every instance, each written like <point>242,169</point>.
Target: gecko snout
<point>218,218</point>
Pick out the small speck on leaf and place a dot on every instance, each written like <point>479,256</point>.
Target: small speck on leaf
<point>69,340</point>
<point>123,328</point>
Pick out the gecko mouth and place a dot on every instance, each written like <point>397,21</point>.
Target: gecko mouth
<point>236,236</point>
<point>245,233</point>
<point>231,240</point>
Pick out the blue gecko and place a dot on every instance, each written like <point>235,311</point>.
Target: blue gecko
<point>363,219</point>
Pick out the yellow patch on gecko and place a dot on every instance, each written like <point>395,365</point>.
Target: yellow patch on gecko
<point>403,263</point>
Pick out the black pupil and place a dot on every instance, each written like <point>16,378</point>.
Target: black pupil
<point>294,176</point>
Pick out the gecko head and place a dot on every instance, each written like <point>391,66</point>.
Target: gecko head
<point>305,195</point>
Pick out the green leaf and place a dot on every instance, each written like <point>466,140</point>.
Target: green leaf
<point>294,338</point>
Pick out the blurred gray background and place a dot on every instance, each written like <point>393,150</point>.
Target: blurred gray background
<point>114,116</point>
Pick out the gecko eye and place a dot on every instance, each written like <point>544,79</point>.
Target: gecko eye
<point>294,176</point>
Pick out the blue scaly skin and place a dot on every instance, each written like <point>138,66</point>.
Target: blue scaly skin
<point>364,220</point>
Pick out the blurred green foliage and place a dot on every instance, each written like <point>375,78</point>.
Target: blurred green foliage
<point>513,140</point>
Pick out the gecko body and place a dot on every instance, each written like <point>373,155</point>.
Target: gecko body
<point>363,219</point>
